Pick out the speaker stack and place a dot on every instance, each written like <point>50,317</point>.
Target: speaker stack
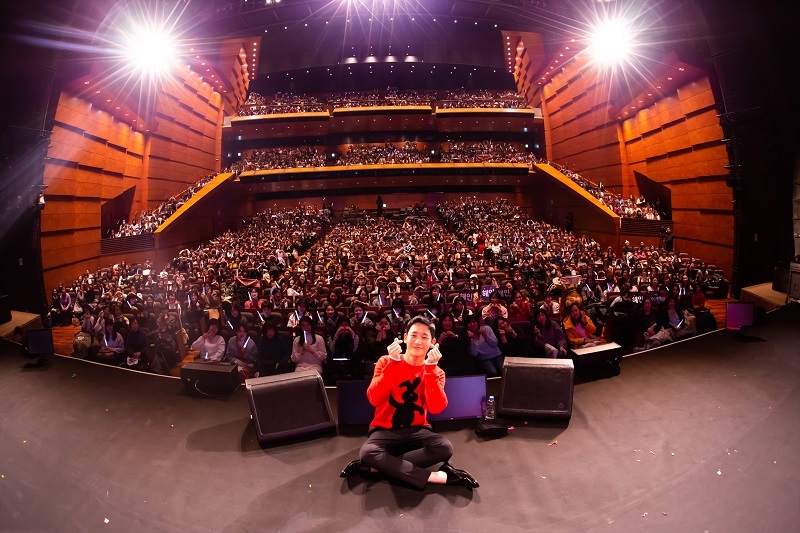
<point>288,406</point>
<point>537,388</point>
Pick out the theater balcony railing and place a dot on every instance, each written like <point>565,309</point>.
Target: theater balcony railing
<point>644,227</point>
<point>132,243</point>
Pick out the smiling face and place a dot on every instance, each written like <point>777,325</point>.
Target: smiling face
<point>447,323</point>
<point>418,340</point>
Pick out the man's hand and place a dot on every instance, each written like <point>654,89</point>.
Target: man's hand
<point>433,355</point>
<point>394,350</point>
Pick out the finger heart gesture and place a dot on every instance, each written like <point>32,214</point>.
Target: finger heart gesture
<point>394,350</point>
<point>433,355</point>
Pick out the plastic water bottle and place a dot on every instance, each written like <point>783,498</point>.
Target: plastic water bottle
<point>490,408</point>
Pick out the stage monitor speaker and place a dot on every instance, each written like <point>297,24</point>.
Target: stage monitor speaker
<point>537,388</point>
<point>5,308</point>
<point>288,406</point>
<point>780,278</point>
<point>208,379</point>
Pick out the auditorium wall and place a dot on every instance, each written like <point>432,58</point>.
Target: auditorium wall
<point>97,152</point>
<point>675,142</point>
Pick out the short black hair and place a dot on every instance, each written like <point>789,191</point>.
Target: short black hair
<point>421,320</point>
<point>213,322</point>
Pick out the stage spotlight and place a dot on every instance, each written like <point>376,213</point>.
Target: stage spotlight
<point>151,51</point>
<point>611,42</point>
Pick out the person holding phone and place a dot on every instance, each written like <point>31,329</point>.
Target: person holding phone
<point>308,349</point>
<point>210,345</point>
<point>579,328</point>
<point>404,388</point>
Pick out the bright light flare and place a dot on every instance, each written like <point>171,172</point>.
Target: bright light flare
<point>151,51</point>
<point>611,43</point>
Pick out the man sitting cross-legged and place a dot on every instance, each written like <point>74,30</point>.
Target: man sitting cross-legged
<point>404,387</point>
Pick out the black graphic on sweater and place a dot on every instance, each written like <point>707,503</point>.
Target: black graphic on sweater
<point>404,412</point>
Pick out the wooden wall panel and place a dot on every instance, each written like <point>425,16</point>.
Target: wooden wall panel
<point>676,142</point>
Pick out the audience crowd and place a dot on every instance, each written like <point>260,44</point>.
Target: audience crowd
<point>257,104</point>
<point>484,98</point>
<point>311,294</point>
<point>624,207</point>
<point>274,158</point>
<point>387,154</point>
<point>149,221</point>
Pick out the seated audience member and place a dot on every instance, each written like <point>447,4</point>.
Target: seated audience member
<point>579,328</point>
<point>520,307</point>
<point>136,352</point>
<point>698,299</point>
<point>509,342</point>
<point>495,306</point>
<point>405,294</point>
<point>483,346</point>
<point>235,317</point>
<point>335,299</point>
<point>121,321</point>
<point>398,315</point>
<point>591,292</point>
<point>112,345</point>
<point>435,295</point>
<point>679,324</point>
<point>360,317</point>
<point>661,297</point>
<point>298,313</point>
<point>253,301</point>
<point>166,341</point>
<point>383,299</point>
<point>87,322</point>
<point>265,315</point>
<point>552,307</point>
<point>65,308</point>
<point>433,311</point>
<point>242,352</point>
<point>548,335</point>
<point>454,347</point>
<point>459,309</point>
<point>377,339</point>
<point>278,301</point>
<point>210,345</point>
<point>308,348</point>
<point>274,355</point>
<point>648,324</point>
<point>343,343</point>
<point>147,320</point>
<point>330,320</point>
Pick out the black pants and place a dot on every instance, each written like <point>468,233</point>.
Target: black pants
<point>406,454</point>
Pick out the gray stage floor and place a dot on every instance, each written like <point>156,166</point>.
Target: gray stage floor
<point>698,436</point>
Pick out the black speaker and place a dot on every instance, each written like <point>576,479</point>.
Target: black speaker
<point>780,278</point>
<point>5,308</point>
<point>287,406</point>
<point>208,379</point>
<point>537,388</point>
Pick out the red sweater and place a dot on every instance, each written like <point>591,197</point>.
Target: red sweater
<point>403,394</point>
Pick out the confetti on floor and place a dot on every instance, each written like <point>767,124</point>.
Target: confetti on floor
<point>554,443</point>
